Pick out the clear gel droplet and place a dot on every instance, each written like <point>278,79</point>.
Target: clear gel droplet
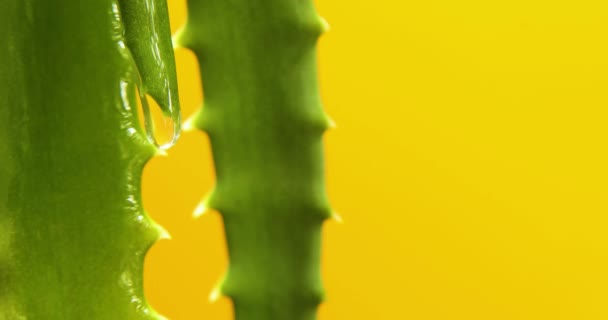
<point>162,130</point>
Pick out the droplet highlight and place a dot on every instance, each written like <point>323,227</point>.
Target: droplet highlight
<point>162,128</point>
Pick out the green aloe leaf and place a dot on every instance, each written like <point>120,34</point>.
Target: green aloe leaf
<point>264,117</point>
<point>73,234</point>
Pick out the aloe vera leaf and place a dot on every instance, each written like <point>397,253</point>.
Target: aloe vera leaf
<point>265,121</point>
<point>73,234</point>
<point>148,36</point>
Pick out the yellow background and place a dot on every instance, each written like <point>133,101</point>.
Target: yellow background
<point>469,165</point>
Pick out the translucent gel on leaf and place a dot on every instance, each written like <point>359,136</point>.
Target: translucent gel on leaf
<point>161,130</point>
<point>148,39</point>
